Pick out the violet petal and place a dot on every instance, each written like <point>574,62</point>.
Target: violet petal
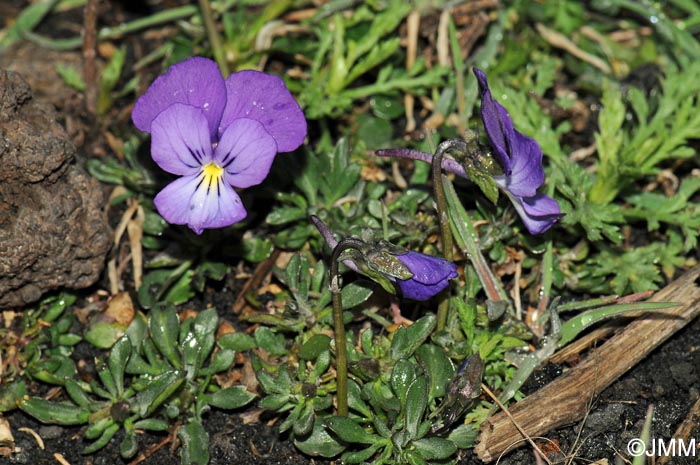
<point>246,152</point>
<point>266,99</point>
<point>538,213</point>
<point>497,122</point>
<point>196,81</point>
<point>527,173</point>
<point>199,205</point>
<point>180,142</point>
<point>430,275</point>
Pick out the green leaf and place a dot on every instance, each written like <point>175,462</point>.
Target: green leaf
<point>223,359</point>
<point>195,444</point>
<point>152,424</point>
<point>77,394</point>
<point>306,420</point>
<point>356,293</point>
<point>272,342</point>
<point>402,375</point>
<point>157,392</point>
<point>349,431</point>
<point>285,215</point>
<point>464,436</point>
<point>27,20</point>
<point>129,446</point>
<point>314,347</point>
<point>435,448</point>
<point>164,325</point>
<point>256,249</point>
<point>239,342</point>
<point>416,403</point>
<point>231,398</point>
<point>11,394</point>
<point>438,366</point>
<point>106,436</point>
<point>117,361</point>
<point>56,413</point>
<point>407,340</point>
<point>319,443</point>
<point>580,322</point>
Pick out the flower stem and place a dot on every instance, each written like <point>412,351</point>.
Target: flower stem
<point>444,221</point>
<point>213,35</point>
<point>341,350</point>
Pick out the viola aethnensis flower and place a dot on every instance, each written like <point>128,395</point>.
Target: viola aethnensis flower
<point>521,159</point>
<point>216,135</point>
<point>413,275</point>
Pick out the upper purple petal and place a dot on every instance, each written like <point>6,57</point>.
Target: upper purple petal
<point>497,122</point>
<point>430,275</point>
<point>266,99</point>
<point>196,81</point>
<point>539,213</point>
<point>246,152</point>
<point>189,201</point>
<point>180,142</point>
<point>527,173</point>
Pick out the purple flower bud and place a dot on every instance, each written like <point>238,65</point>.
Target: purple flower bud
<point>430,275</point>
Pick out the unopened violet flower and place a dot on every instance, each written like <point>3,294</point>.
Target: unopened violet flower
<point>216,135</point>
<point>430,275</point>
<point>415,275</point>
<point>521,159</point>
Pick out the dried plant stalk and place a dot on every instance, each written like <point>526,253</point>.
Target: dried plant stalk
<point>564,401</point>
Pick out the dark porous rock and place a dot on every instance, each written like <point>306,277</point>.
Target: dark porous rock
<point>53,232</point>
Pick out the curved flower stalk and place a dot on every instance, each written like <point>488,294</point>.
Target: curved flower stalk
<point>216,135</point>
<point>519,156</point>
<point>414,275</point>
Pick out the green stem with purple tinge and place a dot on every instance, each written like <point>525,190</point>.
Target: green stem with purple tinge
<point>444,221</point>
<point>341,350</point>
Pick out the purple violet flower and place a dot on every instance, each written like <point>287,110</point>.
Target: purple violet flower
<point>430,275</point>
<point>519,156</point>
<point>217,135</point>
<point>426,275</point>
<point>521,159</point>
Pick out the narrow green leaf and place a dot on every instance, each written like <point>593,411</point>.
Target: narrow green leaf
<point>231,397</point>
<point>157,392</point>
<point>319,442</point>
<point>349,431</point>
<point>163,325</point>
<point>107,436</point>
<point>438,366</point>
<point>314,347</point>
<point>575,325</point>
<point>435,448</point>
<point>117,361</point>
<point>195,444</point>
<point>416,403</point>
<point>56,413</point>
